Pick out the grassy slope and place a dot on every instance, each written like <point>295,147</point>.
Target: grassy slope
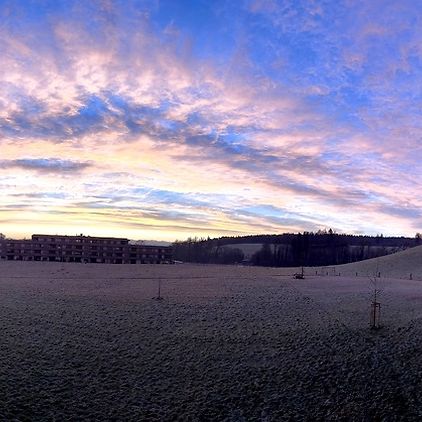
<point>397,265</point>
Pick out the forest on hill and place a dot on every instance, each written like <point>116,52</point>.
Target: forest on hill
<point>324,247</point>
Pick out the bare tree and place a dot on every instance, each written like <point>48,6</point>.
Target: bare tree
<point>159,297</point>
<point>375,314</point>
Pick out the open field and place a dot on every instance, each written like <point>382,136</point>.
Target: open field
<point>247,248</point>
<point>405,264</point>
<point>226,343</point>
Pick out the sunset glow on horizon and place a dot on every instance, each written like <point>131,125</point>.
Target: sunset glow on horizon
<point>166,119</point>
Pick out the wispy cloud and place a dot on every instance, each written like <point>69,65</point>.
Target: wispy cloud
<point>46,165</point>
<point>303,112</point>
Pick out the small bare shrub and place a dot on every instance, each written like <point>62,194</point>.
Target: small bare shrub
<point>375,314</point>
<point>159,297</point>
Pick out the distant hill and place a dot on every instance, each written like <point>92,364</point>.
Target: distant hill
<point>248,249</point>
<point>403,264</point>
<point>291,250</point>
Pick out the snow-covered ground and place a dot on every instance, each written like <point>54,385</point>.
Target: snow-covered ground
<point>226,343</point>
<point>406,264</point>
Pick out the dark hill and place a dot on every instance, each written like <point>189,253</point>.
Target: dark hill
<point>290,250</point>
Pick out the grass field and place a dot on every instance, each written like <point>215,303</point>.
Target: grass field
<point>225,343</point>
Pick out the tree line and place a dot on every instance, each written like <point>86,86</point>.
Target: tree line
<point>324,247</point>
<point>206,251</point>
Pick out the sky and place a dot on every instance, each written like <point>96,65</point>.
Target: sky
<point>166,119</point>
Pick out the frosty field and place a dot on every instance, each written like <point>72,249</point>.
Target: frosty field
<point>226,343</point>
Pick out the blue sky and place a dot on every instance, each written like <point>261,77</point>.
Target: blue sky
<point>169,119</point>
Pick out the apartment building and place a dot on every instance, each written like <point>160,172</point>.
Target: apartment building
<point>85,249</point>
